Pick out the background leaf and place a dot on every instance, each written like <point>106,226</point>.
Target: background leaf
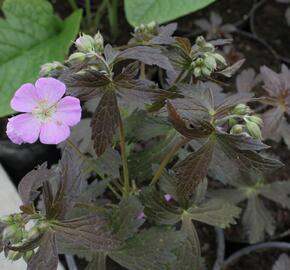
<point>282,263</point>
<point>160,11</point>
<point>30,36</point>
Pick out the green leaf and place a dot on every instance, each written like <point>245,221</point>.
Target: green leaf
<point>278,192</point>
<point>139,11</point>
<point>151,250</point>
<point>231,195</point>
<point>257,220</point>
<point>191,171</point>
<point>46,257</point>
<point>157,209</point>
<point>189,255</point>
<point>125,219</point>
<point>215,212</point>
<point>87,232</point>
<point>30,36</point>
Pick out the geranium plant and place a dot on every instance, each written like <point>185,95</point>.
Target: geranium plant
<point>132,182</point>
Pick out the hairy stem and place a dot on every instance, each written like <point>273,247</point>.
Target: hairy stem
<point>142,71</point>
<point>244,251</point>
<point>99,14</point>
<point>70,143</point>
<point>126,190</point>
<point>167,159</point>
<point>220,248</point>
<point>73,4</point>
<point>88,12</point>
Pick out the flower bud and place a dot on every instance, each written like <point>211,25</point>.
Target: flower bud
<point>76,58</point>
<point>99,42</point>
<point>254,130</point>
<point>10,232</point>
<point>167,197</point>
<point>14,255</point>
<point>197,72</point>
<point>237,129</point>
<point>232,122</point>
<point>47,68</point>
<point>206,72</point>
<point>200,42</point>
<point>28,255</point>
<point>210,62</point>
<point>255,119</point>
<point>6,219</point>
<point>241,109</point>
<point>85,43</point>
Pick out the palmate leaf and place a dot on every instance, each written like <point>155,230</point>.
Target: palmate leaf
<point>88,232</point>
<point>282,188</point>
<point>95,84</point>
<point>231,195</point>
<point>147,55</point>
<point>125,219</point>
<point>31,36</point>
<point>215,212</point>
<point>247,80</point>
<point>257,220</point>
<point>105,121</point>
<point>151,249</point>
<point>46,257</point>
<point>192,170</point>
<point>282,263</point>
<point>157,209</point>
<point>140,162</point>
<point>31,182</point>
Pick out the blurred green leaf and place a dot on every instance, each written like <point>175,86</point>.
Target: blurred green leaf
<point>31,35</point>
<point>140,11</point>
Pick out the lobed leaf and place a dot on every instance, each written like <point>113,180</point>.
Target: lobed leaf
<point>257,220</point>
<point>215,212</point>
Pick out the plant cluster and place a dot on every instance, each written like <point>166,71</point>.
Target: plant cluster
<point>137,173</point>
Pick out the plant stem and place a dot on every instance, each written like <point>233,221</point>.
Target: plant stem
<point>114,190</point>
<point>88,12</point>
<point>166,160</point>
<point>245,251</point>
<point>142,71</point>
<point>71,264</point>
<point>98,15</point>
<point>124,160</point>
<point>73,4</point>
<point>113,17</point>
<point>220,255</point>
<point>70,143</point>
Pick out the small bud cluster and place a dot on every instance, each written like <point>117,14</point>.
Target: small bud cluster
<point>49,69</point>
<point>87,46</point>
<point>242,122</point>
<point>143,33</point>
<point>205,59</point>
<point>17,235</point>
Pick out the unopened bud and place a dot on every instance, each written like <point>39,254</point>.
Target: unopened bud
<point>254,130</point>
<point>76,58</point>
<point>28,255</point>
<point>241,109</point>
<point>255,119</point>
<point>200,41</point>
<point>205,71</point>
<point>85,43</point>
<point>237,129</point>
<point>14,255</point>
<point>47,68</point>
<point>99,42</point>
<point>10,232</point>
<point>197,72</point>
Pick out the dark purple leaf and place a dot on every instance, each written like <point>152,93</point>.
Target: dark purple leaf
<point>46,257</point>
<point>31,182</point>
<point>247,80</point>
<point>191,171</point>
<point>272,119</point>
<point>105,121</point>
<point>147,55</point>
<point>231,70</point>
<point>88,232</point>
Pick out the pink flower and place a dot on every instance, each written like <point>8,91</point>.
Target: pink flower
<point>45,114</point>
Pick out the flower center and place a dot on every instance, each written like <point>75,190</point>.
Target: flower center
<point>44,111</point>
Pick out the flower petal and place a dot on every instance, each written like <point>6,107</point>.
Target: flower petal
<point>68,111</point>
<point>50,89</point>
<point>25,98</point>
<point>54,132</point>
<point>23,128</point>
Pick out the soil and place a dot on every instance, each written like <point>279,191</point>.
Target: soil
<point>271,25</point>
